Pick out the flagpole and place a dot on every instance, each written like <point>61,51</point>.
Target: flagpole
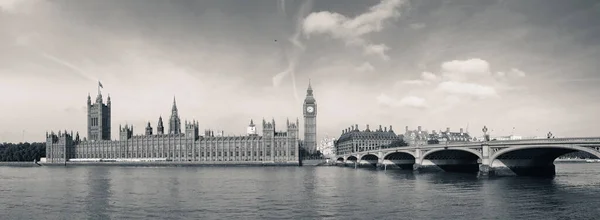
<point>98,87</point>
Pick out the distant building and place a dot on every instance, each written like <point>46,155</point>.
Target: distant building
<point>277,147</point>
<point>450,137</point>
<point>415,137</point>
<point>327,147</point>
<point>508,138</point>
<point>354,140</point>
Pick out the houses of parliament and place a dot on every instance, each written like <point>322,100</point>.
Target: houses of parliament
<point>182,142</point>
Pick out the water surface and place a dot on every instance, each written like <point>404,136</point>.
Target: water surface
<point>95,192</point>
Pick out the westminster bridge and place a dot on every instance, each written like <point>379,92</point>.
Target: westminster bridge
<point>534,157</point>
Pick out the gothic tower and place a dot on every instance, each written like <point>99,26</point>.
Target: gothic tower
<point>160,129</point>
<point>98,118</point>
<point>310,121</point>
<point>174,122</point>
<point>251,130</point>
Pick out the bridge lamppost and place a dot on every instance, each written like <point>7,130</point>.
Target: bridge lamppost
<point>485,136</point>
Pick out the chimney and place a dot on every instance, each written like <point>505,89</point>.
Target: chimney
<point>448,129</point>
<point>352,127</point>
<point>356,127</point>
<point>385,129</point>
<point>419,128</point>
<point>390,128</point>
<point>461,130</point>
<point>367,127</point>
<point>406,128</point>
<point>380,129</point>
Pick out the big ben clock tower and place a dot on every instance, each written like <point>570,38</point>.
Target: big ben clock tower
<point>310,121</point>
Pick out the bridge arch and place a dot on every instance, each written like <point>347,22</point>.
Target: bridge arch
<point>369,160</point>
<point>460,160</point>
<point>340,159</point>
<point>369,157</point>
<point>539,152</point>
<point>399,159</point>
<point>352,158</point>
<point>403,153</point>
<point>438,152</point>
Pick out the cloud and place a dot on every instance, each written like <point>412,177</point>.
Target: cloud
<point>467,89</point>
<point>365,67</point>
<point>18,6</point>
<point>426,79</point>
<point>413,101</point>
<point>427,76</point>
<point>512,73</point>
<point>409,101</point>
<point>464,69</point>
<point>517,72</point>
<point>9,5</point>
<point>352,30</point>
<point>417,82</point>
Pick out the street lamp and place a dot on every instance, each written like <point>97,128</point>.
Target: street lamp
<point>485,137</point>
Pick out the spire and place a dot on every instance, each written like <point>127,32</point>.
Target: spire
<point>174,108</point>
<point>309,91</point>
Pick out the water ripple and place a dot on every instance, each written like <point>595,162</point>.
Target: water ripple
<point>292,193</point>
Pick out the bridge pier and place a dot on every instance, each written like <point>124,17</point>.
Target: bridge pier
<point>485,171</point>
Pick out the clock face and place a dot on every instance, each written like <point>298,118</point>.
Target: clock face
<point>310,109</point>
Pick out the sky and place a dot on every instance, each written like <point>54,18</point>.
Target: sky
<point>516,67</point>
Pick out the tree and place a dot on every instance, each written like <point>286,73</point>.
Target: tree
<point>22,151</point>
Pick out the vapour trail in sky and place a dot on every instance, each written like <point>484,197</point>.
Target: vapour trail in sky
<point>297,47</point>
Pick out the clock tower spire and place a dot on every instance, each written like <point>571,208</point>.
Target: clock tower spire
<point>310,120</point>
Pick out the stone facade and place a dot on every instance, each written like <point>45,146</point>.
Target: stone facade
<point>354,140</point>
<point>98,119</point>
<point>278,147</point>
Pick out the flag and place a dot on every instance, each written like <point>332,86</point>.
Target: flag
<point>100,84</point>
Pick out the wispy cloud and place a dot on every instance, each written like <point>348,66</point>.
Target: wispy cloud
<point>297,48</point>
<point>353,30</point>
<point>27,41</point>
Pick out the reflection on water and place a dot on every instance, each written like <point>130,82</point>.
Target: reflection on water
<point>292,193</point>
<point>97,199</point>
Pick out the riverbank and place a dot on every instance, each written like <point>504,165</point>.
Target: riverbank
<point>577,161</point>
<point>173,164</point>
<point>18,164</point>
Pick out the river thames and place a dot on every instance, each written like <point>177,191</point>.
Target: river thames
<point>97,192</point>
